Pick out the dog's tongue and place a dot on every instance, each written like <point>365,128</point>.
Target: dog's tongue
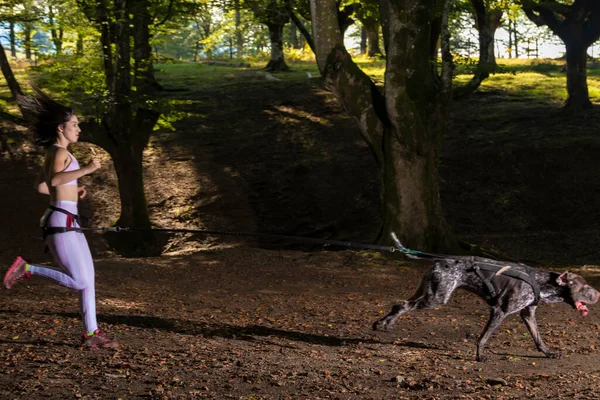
<point>581,308</point>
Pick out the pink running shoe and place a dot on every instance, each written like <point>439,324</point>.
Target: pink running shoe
<point>98,341</point>
<point>17,272</point>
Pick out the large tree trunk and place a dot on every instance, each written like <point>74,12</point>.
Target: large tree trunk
<point>404,129</point>
<point>276,63</point>
<point>416,112</point>
<point>577,87</point>
<point>133,133</point>
<point>126,127</point>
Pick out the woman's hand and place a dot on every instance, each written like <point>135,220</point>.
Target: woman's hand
<point>92,166</point>
<point>81,192</point>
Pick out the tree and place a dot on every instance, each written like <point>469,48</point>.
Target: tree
<point>124,129</point>
<point>14,13</point>
<point>577,24</point>
<point>274,15</point>
<point>300,9</point>
<point>404,125</point>
<point>487,15</point>
<point>9,76</point>
<point>368,15</point>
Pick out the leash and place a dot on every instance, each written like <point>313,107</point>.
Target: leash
<point>398,246</point>
<point>326,242</point>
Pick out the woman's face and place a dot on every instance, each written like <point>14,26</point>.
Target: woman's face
<point>70,129</point>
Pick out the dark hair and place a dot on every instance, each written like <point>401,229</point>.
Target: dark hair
<point>43,116</point>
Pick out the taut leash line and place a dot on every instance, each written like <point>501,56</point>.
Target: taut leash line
<point>271,236</point>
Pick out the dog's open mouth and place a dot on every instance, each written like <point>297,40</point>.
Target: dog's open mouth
<point>580,306</point>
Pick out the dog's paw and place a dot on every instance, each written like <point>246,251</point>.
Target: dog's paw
<point>482,358</point>
<point>550,354</point>
<point>381,325</point>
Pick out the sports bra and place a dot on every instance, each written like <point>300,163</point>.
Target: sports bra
<point>73,165</point>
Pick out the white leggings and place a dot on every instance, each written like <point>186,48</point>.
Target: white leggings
<point>75,264</point>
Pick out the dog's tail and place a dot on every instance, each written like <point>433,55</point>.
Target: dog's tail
<point>407,252</point>
<point>415,253</point>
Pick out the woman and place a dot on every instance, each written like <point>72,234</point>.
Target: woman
<point>56,127</point>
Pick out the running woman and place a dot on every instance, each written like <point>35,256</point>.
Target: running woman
<point>55,127</point>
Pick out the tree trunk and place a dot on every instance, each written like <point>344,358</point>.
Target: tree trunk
<point>13,85</point>
<point>128,165</point>
<point>412,147</point>
<point>372,28</point>
<point>487,22</point>
<point>143,67</point>
<point>516,40</point>
<point>510,38</point>
<point>578,26</point>
<point>294,36</point>
<point>27,40</point>
<point>56,36</point>
<point>306,36</point>
<point>276,63</point>
<point>13,40</point>
<point>79,50</point>
<point>239,38</point>
<point>344,17</point>
<point>404,129</point>
<point>363,40</point>
<point>126,127</point>
<point>577,88</point>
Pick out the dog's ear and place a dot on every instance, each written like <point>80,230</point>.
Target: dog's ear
<point>563,279</point>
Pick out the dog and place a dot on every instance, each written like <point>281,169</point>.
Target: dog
<point>507,288</point>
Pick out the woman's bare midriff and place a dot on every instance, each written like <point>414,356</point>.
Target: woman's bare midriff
<point>67,192</point>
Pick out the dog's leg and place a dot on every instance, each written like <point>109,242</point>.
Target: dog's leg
<point>496,318</point>
<point>387,322</point>
<point>424,298</point>
<point>528,315</point>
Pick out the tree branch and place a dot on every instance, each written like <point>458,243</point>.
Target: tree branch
<point>169,11</point>
<point>300,25</point>
<point>545,16</point>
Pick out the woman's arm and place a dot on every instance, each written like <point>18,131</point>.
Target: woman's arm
<point>58,176</point>
<point>41,186</point>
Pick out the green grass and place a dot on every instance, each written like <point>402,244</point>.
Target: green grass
<point>540,80</point>
<point>198,76</point>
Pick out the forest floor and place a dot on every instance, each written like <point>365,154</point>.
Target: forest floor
<point>220,317</point>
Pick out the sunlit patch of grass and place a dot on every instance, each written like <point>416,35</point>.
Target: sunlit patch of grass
<point>374,68</point>
<point>594,87</point>
<point>197,76</point>
<point>542,80</point>
<point>526,84</point>
<point>191,75</point>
